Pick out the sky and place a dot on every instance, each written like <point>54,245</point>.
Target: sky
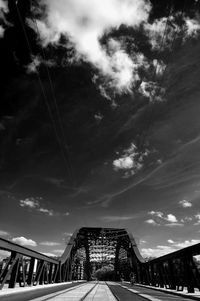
<point>99,121</point>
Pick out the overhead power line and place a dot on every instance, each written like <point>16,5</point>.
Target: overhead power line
<point>63,148</point>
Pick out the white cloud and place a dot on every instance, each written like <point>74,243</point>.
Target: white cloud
<point>24,241</point>
<point>33,68</point>
<point>161,219</point>
<point>49,254</point>
<point>4,233</point>
<point>171,218</point>
<point>193,27</point>
<point>187,243</point>
<point>156,252</point>
<point>161,250</point>
<point>44,210</point>
<point>152,91</point>
<point>197,216</point>
<point>123,163</point>
<point>85,21</point>
<point>156,213</point>
<point>151,222</point>
<point>49,243</point>
<point>34,203</point>
<point>4,254</point>
<point>29,202</point>
<point>3,10</point>
<point>185,203</point>
<point>131,161</point>
<point>156,31</point>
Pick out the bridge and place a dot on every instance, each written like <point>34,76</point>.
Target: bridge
<point>96,265</point>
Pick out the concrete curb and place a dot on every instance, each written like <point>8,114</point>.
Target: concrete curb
<point>170,292</point>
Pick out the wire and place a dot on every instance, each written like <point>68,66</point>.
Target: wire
<point>56,105</point>
<point>44,94</point>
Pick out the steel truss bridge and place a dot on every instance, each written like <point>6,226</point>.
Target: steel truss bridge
<point>90,249</point>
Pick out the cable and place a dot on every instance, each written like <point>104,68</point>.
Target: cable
<point>44,94</point>
<point>55,103</point>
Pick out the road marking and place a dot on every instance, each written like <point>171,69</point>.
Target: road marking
<point>130,289</point>
<point>149,297</point>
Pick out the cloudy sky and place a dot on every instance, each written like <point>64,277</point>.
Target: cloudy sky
<point>99,121</point>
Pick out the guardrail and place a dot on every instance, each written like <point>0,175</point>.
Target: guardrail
<point>176,270</point>
<point>26,267</point>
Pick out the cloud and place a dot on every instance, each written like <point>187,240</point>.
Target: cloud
<point>131,161</point>
<point>84,22</point>
<point>193,27</point>
<point>185,203</point>
<point>161,219</point>
<point>59,251</point>
<point>24,241</point>
<point>49,243</point>
<point>187,243</point>
<point>114,218</point>
<point>174,225</point>
<point>161,250</point>
<point>151,222</point>
<point>197,216</point>
<point>4,254</point>
<point>152,91</point>
<point>3,11</point>
<point>171,218</point>
<point>156,252</point>
<point>123,163</point>
<point>33,68</point>
<point>4,233</point>
<point>29,202</point>
<point>34,204</point>
<point>49,254</point>
<point>47,211</point>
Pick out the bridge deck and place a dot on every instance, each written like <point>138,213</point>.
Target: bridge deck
<point>100,291</point>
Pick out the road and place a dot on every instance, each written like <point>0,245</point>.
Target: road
<point>110,291</point>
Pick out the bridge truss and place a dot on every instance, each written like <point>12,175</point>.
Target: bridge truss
<point>90,249</point>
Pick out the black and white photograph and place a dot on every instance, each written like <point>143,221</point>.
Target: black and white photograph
<point>100,150</point>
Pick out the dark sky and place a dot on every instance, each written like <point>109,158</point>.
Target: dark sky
<point>99,121</point>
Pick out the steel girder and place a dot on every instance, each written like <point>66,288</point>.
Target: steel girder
<point>90,248</point>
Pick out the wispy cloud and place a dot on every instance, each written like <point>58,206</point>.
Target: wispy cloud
<point>4,233</point>
<point>49,243</point>
<point>23,241</point>
<point>59,251</point>
<point>114,218</point>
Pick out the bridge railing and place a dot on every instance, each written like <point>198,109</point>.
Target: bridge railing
<point>176,271</point>
<point>25,267</point>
